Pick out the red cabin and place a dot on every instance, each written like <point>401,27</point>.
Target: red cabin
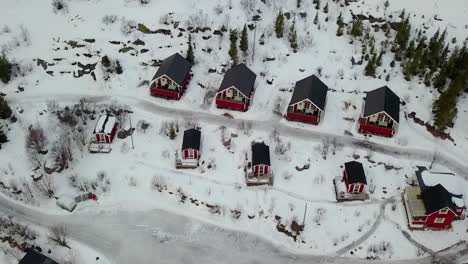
<point>172,78</point>
<point>354,177</point>
<point>236,88</point>
<point>191,144</point>
<point>259,171</point>
<point>431,207</point>
<point>308,100</point>
<point>105,129</point>
<point>381,112</point>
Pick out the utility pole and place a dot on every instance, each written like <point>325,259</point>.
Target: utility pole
<point>131,129</point>
<point>254,41</point>
<point>305,212</point>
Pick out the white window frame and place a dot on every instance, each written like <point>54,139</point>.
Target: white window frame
<point>235,93</point>
<point>191,154</point>
<point>444,211</point>
<point>439,220</point>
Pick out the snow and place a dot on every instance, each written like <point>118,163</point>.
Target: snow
<point>103,126</point>
<point>124,176</point>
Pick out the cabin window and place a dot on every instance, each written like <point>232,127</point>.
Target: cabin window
<point>261,170</point>
<point>190,154</point>
<point>444,211</point>
<point>439,220</point>
<point>356,188</point>
<point>234,93</point>
<point>163,81</point>
<point>306,105</point>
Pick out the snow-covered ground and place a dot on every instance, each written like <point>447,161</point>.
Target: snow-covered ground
<point>216,192</point>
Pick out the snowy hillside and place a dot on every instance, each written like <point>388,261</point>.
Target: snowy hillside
<point>60,85</point>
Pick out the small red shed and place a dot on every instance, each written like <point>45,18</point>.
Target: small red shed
<point>354,177</point>
<point>105,129</point>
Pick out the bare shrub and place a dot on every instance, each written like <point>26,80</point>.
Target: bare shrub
<point>319,179</point>
<point>80,138</point>
<point>36,139</point>
<point>52,106</point>
<point>58,234</point>
<point>170,129</point>
<point>59,6</point>
<point>435,158</point>
<point>158,183</point>
<point>45,186</point>
<point>188,124</point>
<point>278,106</point>
<point>24,36</point>
<point>377,250</point>
<point>323,148</point>
<point>218,9</point>
<point>198,20</point>
<point>67,117</point>
<point>319,214</point>
<point>225,137</point>
<point>248,5</point>
<point>245,126</point>
<point>142,126</point>
<point>62,152</point>
<point>109,19</point>
<point>128,27</point>
<point>281,147</point>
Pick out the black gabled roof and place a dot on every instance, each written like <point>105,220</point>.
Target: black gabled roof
<point>383,99</point>
<point>311,88</point>
<point>355,172</point>
<point>175,67</point>
<point>191,139</point>
<point>241,77</point>
<point>34,257</point>
<point>260,154</point>
<point>436,198</point>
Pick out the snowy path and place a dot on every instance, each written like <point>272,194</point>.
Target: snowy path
<point>151,106</point>
<point>371,231</point>
<point>162,237</point>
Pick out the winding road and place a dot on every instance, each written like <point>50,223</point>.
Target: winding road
<point>162,237</point>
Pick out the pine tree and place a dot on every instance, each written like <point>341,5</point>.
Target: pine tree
<point>386,4</point>
<point>244,41</point>
<point>339,20</point>
<point>293,37</point>
<point>279,25</point>
<point>427,79</point>
<point>402,14</point>
<point>317,4</point>
<point>371,66</point>
<point>445,107</point>
<point>440,79</point>
<point>340,30</point>
<point>3,136</point>
<point>316,19</point>
<point>233,47</point>
<point>403,34</point>
<point>190,56</point>
<point>325,8</point>
<point>5,110</point>
<point>357,28</point>
<point>5,69</point>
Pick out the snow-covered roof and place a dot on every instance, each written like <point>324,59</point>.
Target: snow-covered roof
<point>449,181</point>
<point>105,124</point>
